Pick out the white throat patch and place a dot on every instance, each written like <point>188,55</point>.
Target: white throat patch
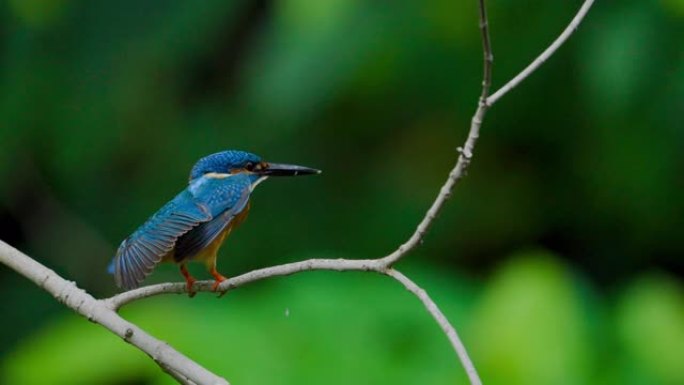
<point>253,186</point>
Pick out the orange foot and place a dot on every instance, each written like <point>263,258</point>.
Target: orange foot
<point>218,278</point>
<point>189,281</point>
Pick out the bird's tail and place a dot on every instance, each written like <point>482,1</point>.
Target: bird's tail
<point>110,268</point>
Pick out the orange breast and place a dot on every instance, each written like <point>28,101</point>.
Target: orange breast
<point>208,255</point>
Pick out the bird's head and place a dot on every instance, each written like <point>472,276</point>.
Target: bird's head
<point>226,163</point>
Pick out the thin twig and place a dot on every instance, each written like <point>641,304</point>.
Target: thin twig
<point>486,51</point>
<point>466,152</point>
<point>569,30</point>
<point>443,322</point>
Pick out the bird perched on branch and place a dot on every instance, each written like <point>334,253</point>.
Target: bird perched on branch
<point>194,224</point>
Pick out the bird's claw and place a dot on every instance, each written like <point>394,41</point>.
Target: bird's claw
<point>216,284</point>
<point>218,278</point>
<point>188,287</point>
<point>189,281</point>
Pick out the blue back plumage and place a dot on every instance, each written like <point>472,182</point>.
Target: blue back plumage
<point>222,162</point>
<point>185,225</point>
<point>225,198</point>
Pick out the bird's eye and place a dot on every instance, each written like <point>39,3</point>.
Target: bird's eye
<point>249,166</point>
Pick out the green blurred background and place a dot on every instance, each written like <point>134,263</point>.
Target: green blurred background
<point>559,257</point>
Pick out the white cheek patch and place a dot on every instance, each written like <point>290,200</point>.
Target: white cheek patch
<point>217,175</point>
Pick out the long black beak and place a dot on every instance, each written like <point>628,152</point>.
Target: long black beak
<point>277,169</point>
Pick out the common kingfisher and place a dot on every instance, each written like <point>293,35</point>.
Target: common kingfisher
<point>194,224</point>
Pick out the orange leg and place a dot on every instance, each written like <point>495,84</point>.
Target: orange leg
<point>189,280</point>
<point>217,277</point>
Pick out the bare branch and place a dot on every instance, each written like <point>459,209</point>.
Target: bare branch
<point>443,322</point>
<point>374,265</point>
<point>181,379</point>
<point>127,297</point>
<point>466,152</point>
<point>569,30</point>
<point>96,311</point>
<point>486,51</point>
<point>180,367</point>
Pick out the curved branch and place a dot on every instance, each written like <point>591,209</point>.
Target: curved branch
<point>127,297</point>
<point>374,265</point>
<point>466,152</point>
<point>96,311</point>
<point>548,52</point>
<point>443,322</point>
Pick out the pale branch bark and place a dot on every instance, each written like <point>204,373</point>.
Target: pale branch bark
<point>443,322</point>
<point>186,371</point>
<point>488,56</point>
<point>127,297</point>
<point>181,379</point>
<point>312,264</point>
<point>466,152</point>
<point>96,311</point>
<point>548,52</point>
<point>374,265</point>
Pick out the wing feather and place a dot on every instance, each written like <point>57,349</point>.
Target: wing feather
<point>145,248</point>
<point>186,225</point>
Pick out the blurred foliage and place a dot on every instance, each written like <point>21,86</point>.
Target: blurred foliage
<point>534,294</point>
<point>651,327</point>
<point>104,107</point>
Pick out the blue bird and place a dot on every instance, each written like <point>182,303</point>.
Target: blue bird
<point>194,224</point>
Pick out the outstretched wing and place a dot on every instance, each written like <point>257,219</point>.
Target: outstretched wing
<point>144,249</point>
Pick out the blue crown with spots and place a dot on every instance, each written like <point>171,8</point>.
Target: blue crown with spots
<point>223,162</point>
